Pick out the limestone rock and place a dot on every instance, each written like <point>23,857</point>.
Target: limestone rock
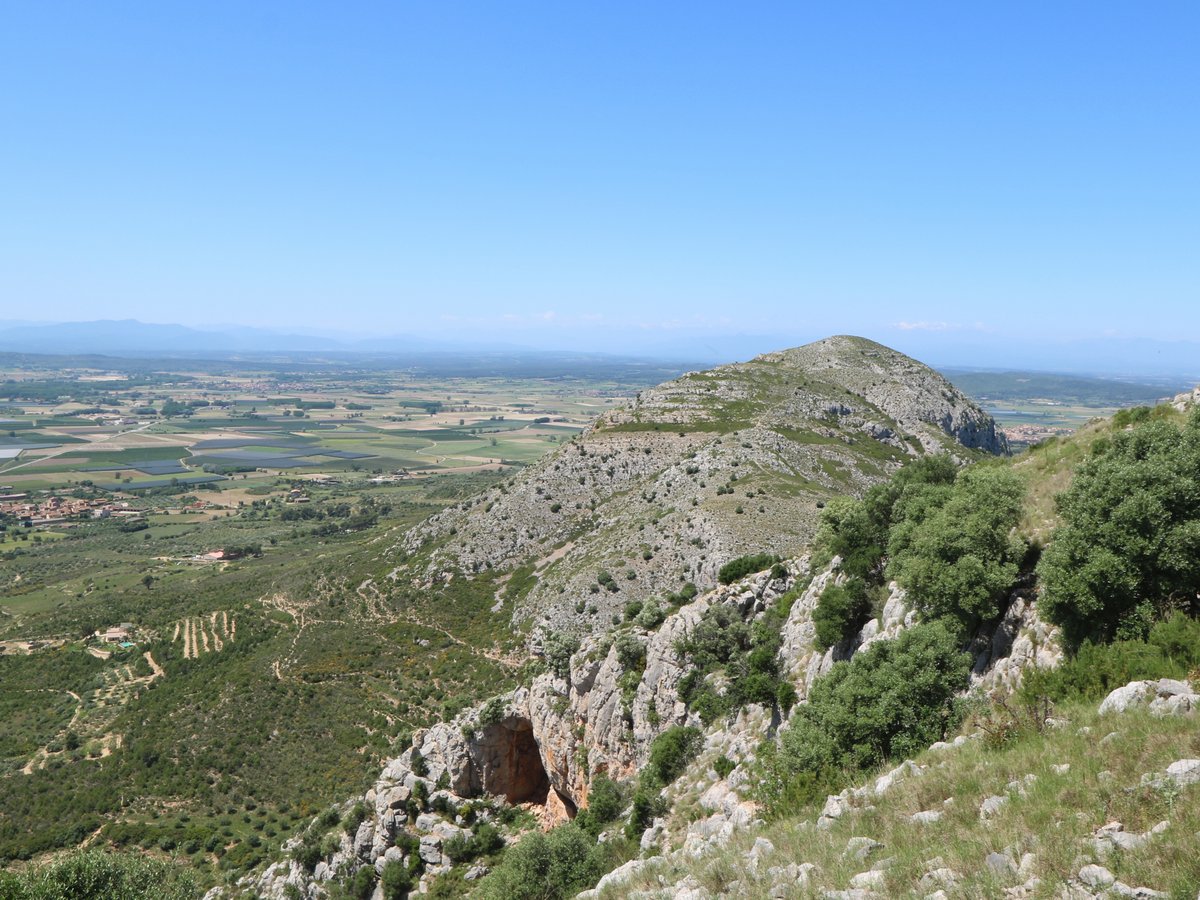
<point>991,806</point>
<point>1096,876</point>
<point>1184,771</point>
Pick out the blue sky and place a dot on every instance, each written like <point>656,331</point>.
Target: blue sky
<point>606,175</point>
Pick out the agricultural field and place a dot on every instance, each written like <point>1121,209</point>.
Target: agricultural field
<point>131,434</point>
<point>237,532</point>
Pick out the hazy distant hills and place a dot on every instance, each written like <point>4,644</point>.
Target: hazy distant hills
<point>1134,358</point>
<point>129,336</point>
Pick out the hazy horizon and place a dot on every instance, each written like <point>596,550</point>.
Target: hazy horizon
<point>1176,362</point>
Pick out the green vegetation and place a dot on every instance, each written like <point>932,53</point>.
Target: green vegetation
<point>96,875</point>
<point>551,866</point>
<point>960,561</point>
<point>670,753</point>
<point>1170,650</point>
<point>745,565</point>
<point>1128,549</point>
<point>1080,785</point>
<point>887,702</point>
<point>747,656</point>
<point>946,535</point>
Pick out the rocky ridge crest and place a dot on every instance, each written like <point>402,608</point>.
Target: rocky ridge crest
<point>693,472</point>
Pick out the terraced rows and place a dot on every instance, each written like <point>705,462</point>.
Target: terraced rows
<point>205,634</point>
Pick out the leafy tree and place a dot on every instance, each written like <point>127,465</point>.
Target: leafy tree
<point>840,612</point>
<point>893,699</point>
<point>962,560</point>
<point>1128,548</point>
<point>859,531</point>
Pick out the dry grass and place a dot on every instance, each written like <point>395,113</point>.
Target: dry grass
<point>1053,819</point>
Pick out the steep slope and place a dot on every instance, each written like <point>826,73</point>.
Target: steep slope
<point>735,460</point>
<point>1043,792</point>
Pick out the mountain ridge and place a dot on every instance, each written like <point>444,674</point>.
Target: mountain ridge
<point>696,471</point>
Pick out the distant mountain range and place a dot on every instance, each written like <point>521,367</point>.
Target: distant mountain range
<point>1109,356</point>
<point>129,336</point>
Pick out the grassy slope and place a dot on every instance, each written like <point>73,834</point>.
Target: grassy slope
<point>1054,821</point>
<point>1062,810</point>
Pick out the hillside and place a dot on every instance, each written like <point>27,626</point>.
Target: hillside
<point>928,663</point>
<point>696,471</point>
<point>730,744</point>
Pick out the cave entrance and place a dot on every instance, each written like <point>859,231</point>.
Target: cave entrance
<point>512,767</point>
<point>528,782</point>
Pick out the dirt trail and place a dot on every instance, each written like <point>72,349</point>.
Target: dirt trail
<point>175,636</point>
<point>154,666</point>
<point>218,644</point>
<point>203,634</point>
<point>494,655</point>
<point>38,760</point>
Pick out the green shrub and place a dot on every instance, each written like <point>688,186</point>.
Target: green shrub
<point>671,751</point>
<point>647,804</point>
<point>98,875</point>
<point>492,712</point>
<point>308,852</point>
<point>1171,650</point>
<point>891,700</point>
<point>558,864</point>
<point>485,841</point>
<point>717,637</point>
<point>1128,549</point>
<point>558,649</point>
<point>963,560</point>
<point>631,653</point>
<point>396,881</point>
<point>745,565</point>
<point>841,611</point>
<point>606,801</point>
<point>651,616</point>
<point>363,884</point>
<point>417,763</point>
<point>354,818</point>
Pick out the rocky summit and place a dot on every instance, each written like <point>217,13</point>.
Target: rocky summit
<point>659,494</point>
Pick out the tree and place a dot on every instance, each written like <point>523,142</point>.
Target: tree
<point>1128,549</point>
<point>962,560</point>
<point>891,700</point>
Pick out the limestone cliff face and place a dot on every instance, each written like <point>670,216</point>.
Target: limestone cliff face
<point>542,745</point>
<point>695,472</point>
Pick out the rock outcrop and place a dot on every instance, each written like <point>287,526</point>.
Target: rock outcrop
<point>1164,697</point>
<point>695,471</point>
<point>542,745</point>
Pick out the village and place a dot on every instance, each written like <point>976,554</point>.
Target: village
<point>57,510</point>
